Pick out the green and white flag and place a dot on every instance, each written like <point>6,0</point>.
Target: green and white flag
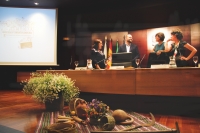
<point>117,46</point>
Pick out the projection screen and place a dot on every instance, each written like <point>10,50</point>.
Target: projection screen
<point>28,36</point>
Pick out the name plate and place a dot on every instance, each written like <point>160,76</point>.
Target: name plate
<point>160,66</point>
<point>117,67</point>
<point>81,68</point>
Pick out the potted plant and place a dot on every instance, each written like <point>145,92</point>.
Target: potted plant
<point>50,87</point>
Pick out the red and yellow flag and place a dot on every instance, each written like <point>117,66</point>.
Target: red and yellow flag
<point>109,62</point>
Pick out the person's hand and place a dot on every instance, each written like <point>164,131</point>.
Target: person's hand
<point>158,52</point>
<point>97,66</point>
<point>183,58</point>
<point>169,40</point>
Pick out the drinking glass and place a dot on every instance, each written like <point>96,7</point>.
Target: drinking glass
<point>195,59</point>
<point>137,61</point>
<point>76,63</point>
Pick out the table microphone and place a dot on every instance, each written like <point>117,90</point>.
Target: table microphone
<point>142,58</point>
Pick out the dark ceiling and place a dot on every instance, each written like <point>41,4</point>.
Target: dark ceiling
<point>157,9</point>
<point>81,3</point>
<point>86,6</point>
<point>30,3</point>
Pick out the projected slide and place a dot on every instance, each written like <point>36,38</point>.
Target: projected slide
<point>28,36</point>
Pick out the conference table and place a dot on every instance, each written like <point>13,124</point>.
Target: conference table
<point>140,81</point>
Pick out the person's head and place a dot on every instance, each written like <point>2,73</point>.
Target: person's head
<point>129,38</point>
<point>97,44</point>
<point>159,36</point>
<point>176,34</point>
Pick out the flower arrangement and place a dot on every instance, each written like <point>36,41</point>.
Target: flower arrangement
<point>97,109</point>
<point>46,86</point>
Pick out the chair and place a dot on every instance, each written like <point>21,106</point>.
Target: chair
<point>153,59</point>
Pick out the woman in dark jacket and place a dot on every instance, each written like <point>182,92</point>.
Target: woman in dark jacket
<point>178,48</point>
<point>97,56</point>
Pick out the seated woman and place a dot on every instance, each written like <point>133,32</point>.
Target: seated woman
<point>158,49</point>
<point>178,48</point>
<point>97,56</point>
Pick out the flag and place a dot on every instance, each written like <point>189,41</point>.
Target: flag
<point>105,48</point>
<point>109,62</point>
<point>117,45</point>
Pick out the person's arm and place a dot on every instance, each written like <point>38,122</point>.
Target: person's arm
<point>192,49</point>
<point>97,66</point>
<point>154,48</point>
<point>167,47</point>
<point>159,52</point>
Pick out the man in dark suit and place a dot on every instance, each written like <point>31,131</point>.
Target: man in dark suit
<point>129,47</point>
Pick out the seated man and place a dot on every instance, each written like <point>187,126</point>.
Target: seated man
<point>158,56</point>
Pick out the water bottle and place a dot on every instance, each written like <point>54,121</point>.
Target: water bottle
<point>172,62</point>
<point>89,64</point>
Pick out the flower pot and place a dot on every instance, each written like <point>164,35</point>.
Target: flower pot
<point>107,123</point>
<point>55,105</point>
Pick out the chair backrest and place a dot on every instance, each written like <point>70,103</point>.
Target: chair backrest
<point>155,59</point>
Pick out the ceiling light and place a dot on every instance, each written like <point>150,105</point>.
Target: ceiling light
<point>7,0</point>
<point>36,3</point>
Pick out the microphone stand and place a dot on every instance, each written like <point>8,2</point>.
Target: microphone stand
<point>142,58</point>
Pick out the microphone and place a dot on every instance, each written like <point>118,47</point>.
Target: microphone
<point>142,58</point>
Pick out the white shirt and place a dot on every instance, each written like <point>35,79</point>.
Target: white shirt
<point>127,48</point>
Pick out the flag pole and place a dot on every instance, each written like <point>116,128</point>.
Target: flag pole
<point>105,51</point>
<point>109,54</point>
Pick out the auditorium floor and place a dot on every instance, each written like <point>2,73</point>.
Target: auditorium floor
<point>21,113</point>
